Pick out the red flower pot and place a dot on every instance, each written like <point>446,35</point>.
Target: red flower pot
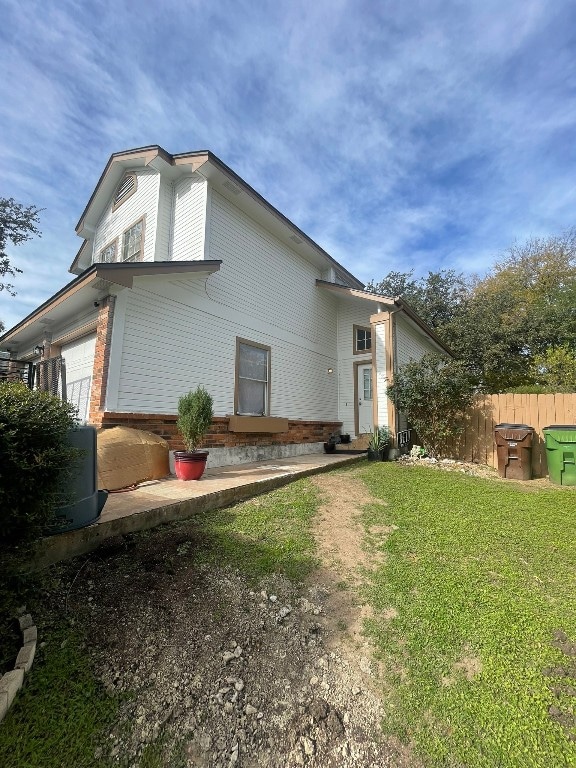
<point>190,466</point>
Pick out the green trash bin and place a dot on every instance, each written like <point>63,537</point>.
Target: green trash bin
<point>561,453</point>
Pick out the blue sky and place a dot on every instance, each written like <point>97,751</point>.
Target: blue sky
<point>420,134</point>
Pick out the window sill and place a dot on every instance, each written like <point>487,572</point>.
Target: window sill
<point>270,424</point>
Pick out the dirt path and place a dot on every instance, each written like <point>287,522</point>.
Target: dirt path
<point>222,673</point>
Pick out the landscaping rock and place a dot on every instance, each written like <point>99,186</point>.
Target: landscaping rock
<point>171,648</point>
<point>10,684</point>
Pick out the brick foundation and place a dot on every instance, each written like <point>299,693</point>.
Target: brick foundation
<point>218,436</point>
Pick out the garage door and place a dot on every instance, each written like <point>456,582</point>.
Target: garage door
<point>79,360</point>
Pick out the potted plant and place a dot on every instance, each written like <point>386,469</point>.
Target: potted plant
<point>378,444</point>
<point>195,414</point>
<point>331,443</point>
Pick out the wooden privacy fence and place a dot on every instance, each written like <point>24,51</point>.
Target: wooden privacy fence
<point>477,441</point>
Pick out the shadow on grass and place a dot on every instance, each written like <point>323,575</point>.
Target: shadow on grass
<point>265,535</point>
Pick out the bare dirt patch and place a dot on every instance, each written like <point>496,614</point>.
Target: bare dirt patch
<point>218,671</point>
<point>338,534</point>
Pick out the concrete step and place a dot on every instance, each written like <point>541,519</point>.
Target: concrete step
<point>359,443</point>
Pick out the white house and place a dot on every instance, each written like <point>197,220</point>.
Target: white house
<point>187,276</point>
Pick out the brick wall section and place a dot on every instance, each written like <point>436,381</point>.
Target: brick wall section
<point>219,436</point>
<point>101,360</point>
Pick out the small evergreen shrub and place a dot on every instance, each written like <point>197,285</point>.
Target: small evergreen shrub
<point>34,459</point>
<point>194,417</point>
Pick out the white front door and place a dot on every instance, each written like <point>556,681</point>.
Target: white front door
<point>364,403</point>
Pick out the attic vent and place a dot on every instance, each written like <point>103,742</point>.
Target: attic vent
<point>339,278</point>
<point>296,239</point>
<point>232,187</point>
<point>126,188</point>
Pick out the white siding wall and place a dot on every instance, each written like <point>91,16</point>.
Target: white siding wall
<point>381,375</point>
<point>410,343</point>
<point>265,278</point>
<point>142,204</point>
<point>349,314</point>
<point>165,216</point>
<point>189,219</point>
<point>177,333</point>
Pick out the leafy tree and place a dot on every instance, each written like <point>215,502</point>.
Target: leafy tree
<point>556,369</point>
<point>439,298</point>
<point>502,324</point>
<point>18,223</point>
<point>434,394</point>
<point>396,284</point>
<point>524,306</point>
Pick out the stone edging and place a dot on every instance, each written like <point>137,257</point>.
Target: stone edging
<point>11,682</point>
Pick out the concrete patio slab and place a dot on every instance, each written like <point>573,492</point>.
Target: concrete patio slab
<point>170,499</point>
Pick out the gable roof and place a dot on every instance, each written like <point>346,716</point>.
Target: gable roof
<point>393,303</point>
<point>223,178</point>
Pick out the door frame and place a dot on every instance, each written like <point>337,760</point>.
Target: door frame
<point>355,365</point>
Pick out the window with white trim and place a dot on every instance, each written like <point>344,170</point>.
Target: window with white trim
<point>362,339</point>
<point>252,379</point>
<point>132,242</point>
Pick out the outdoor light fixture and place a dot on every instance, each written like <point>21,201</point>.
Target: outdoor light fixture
<point>39,349</point>
<point>330,370</point>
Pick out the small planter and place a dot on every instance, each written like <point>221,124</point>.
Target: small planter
<point>190,466</point>
<point>329,447</point>
<point>381,455</point>
<point>345,439</point>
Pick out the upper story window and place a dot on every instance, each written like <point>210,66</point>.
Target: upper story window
<point>108,255</point>
<point>362,340</point>
<point>252,392</point>
<point>125,189</point>
<point>132,242</point>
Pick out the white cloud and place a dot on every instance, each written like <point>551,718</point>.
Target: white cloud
<point>418,134</point>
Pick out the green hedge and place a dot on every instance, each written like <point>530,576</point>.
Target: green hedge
<point>34,459</point>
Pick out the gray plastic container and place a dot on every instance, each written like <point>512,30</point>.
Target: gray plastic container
<point>86,501</point>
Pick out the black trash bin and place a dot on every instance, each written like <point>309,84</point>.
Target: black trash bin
<point>514,450</point>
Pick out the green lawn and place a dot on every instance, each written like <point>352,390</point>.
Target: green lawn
<point>481,574</point>
<point>482,577</point>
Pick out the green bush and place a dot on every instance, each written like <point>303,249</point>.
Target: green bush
<point>434,394</point>
<point>531,389</point>
<point>34,458</point>
<point>194,417</point>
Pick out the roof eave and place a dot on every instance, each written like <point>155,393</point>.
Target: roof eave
<point>121,274</point>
